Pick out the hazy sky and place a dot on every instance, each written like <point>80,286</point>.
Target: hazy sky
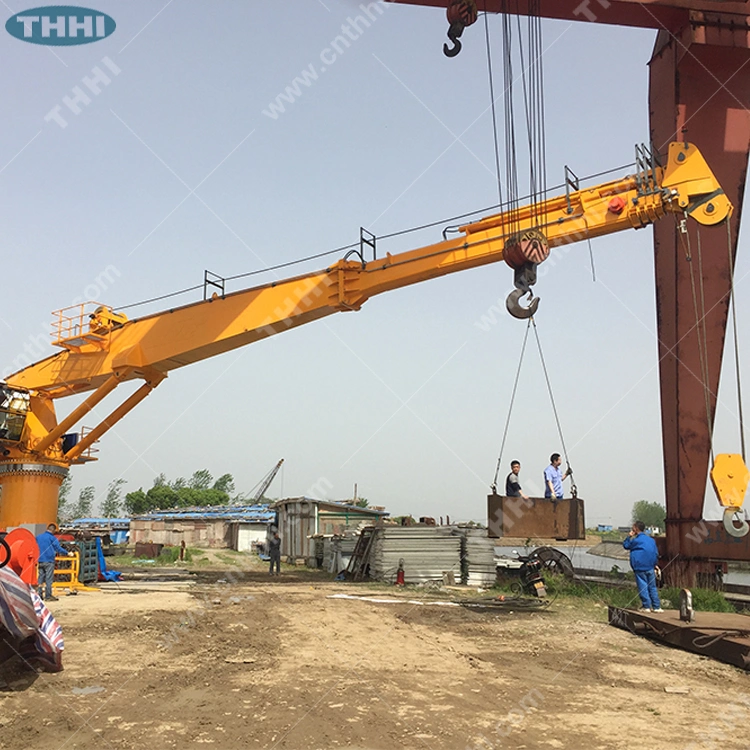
<point>173,168</point>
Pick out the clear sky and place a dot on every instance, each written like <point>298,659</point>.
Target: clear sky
<point>176,166</point>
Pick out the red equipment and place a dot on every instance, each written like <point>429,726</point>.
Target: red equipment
<point>24,554</point>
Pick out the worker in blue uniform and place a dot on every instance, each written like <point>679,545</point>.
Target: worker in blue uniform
<point>49,547</point>
<point>643,559</point>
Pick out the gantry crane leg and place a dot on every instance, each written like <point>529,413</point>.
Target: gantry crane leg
<point>699,90</point>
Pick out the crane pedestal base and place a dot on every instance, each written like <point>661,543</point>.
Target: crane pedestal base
<point>29,494</point>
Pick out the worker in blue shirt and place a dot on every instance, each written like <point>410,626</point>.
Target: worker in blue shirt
<point>49,547</point>
<point>643,559</point>
<point>553,477</point>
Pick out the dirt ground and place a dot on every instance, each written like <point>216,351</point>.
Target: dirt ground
<point>239,660</point>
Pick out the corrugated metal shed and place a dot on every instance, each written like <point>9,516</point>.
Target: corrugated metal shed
<point>300,518</point>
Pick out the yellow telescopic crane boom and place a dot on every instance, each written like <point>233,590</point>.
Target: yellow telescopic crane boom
<point>103,349</point>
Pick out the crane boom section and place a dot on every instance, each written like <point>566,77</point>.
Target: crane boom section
<point>169,340</point>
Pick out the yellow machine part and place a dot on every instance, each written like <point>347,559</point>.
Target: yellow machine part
<point>730,478</point>
<point>67,573</point>
<point>30,494</point>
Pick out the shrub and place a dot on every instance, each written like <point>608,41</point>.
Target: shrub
<point>172,554</point>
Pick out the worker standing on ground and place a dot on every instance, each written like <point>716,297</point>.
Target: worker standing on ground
<point>274,551</point>
<point>512,483</point>
<point>643,559</point>
<point>553,477</point>
<point>49,547</point>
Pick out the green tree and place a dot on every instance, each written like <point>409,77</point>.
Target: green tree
<point>178,483</point>
<point>201,480</point>
<point>112,504</point>
<point>82,508</point>
<point>136,502</point>
<point>652,514</point>
<point>361,502</point>
<point>63,496</point>
<point>189,497</point>
<point>197,493</point>
<point>225,483</point>
<point>162,497</point>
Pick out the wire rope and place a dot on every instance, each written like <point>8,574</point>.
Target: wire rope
<point>510,408</point>
<point>704,340</point>
<point>492,104</point>
<point>687,245</point>
<point>554,404</point>
<point>736,341</point>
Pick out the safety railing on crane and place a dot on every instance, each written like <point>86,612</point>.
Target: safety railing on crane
<point>85,323</point>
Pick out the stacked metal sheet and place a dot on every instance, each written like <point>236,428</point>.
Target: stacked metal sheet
<point>427,551</point>
<point>477,557</point>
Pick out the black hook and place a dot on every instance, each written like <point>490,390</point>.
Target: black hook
<point>454,32</point>
<point>452,51</point>
<point>516,309</point>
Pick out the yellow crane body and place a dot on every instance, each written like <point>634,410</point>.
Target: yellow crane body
<point>109,349</point>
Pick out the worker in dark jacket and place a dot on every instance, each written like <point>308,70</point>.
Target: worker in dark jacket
<point>274,551</point>
<point>643,559</point>
<point>49,547</point>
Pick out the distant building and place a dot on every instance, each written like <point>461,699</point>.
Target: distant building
<point>115,528</point>
<point>229,526</point>
<point>300,518</point>
<point>604,527</point>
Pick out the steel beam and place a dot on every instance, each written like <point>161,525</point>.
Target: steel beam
<point>670,15</point>
<point>700,92</point>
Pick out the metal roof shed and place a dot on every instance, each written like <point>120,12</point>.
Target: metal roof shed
<point>302,517</point>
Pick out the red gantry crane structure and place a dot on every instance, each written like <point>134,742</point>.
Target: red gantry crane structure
<point>699,89</point>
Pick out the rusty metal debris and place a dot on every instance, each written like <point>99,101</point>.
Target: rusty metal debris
<point>720,635</point>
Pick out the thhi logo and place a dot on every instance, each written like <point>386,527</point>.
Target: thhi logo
<point>60,25</point>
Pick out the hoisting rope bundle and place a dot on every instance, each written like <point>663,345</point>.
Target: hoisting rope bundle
<point>523,251</point>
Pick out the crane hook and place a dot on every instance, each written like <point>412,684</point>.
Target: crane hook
<point>729,523</point>
<point>516,309</point>
<point>524,277</point>
<point>461,13</point>
<point>454,32</point>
